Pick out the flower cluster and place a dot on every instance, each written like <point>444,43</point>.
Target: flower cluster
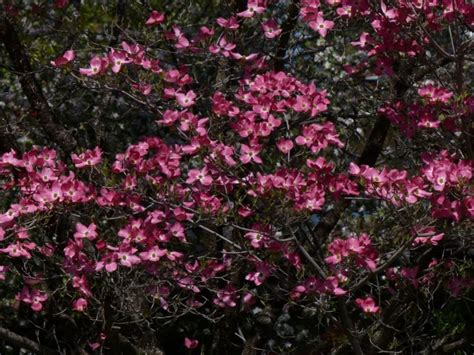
<point>214,213</point>
<point>358,248</point>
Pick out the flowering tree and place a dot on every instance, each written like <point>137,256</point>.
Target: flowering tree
<point>242,177</point>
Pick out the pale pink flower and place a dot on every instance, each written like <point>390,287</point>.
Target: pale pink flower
<point>186,100</point>
<point>253,7</point>
<point>285,145</point>
<point>88,158</point>
<point>321,25</point>
<point>117,59</point>
<point>96,66</point>
<point>199,175</point>
<point>271,29</point>
<point>83,232</point>
<point>248,154</point>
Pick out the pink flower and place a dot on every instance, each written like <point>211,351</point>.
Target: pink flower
<point>248,154</point>
<point>226,298</point>
<point>354,169</point>
<point>135,51</point>
<point>118,58</point>
<point>435,94</point>
<point>367,305</point>
<point>243,58</point>
<point>363,40</point>
<point>63,59</point>
<point>302,104</point>
<point>153,254</point>
<point>344,11</point>
<point>8,216</point>
<point>260,275</point>
<point>191,343</point>
<point>177,231</point>
<point>199,175</point>
<point>79,305</point>
<point>427,235</point>
<point>186,100</point>
<point>192,267</point>
<point>18,250</point>
<point>206,32</point>
<point>88,158</point>
<point>173,255</point>
<point>155,18</point>
<point>33,297</point>
<point>321,26</point>
<point>257,239</point>
<point>127,258</point>
<point>253,7</point>
<point>3,272</point>
<point>310,286</point>
<point>98,343</point>
<point>223,46</point>
<point>248,299</point>
<point>230,23</point>
<point>271,29</point>
<point>83,232</point>
<point>285,145</point>
<point>181,41</point>
<point>111,266</point>
<point>360,247</point>
<point>97,65</point>
<point>145,89</point>
<point>80,283</point>
<point>331,285</point>
<point>109,262</point>
<point>188,284</point>
<point>390,14</point>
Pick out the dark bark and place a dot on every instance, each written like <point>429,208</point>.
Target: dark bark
<point>372,150</point>
<point>287,29</point>
<point>52,127</point>
<point>349,327</point>
<point>120,17</point>
<point>7,139</point>
<point>369,156</point>
<point>239,5</point>
<point>21,342</point>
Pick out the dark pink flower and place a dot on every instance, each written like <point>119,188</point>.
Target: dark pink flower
<point>63,59</point>
<point>191,343</point>
<point>79,305</point>
<point>155,18</point>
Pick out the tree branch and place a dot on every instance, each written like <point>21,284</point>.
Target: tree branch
<point>347,322</point>
<point>20,62</point>
<point>287,29</point>
<point>22,342</point>
<point>384,266</point>
<point>369,156</point>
